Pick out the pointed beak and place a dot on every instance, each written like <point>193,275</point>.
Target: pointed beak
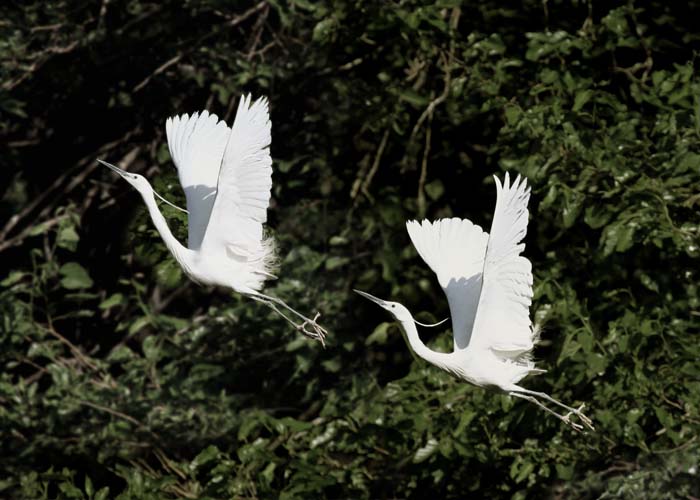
<point>374,299</point>
<point>112,167</point>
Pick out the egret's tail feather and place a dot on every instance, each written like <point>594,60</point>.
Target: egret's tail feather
<point>536,331</point>
<point>269,256</point>
<point>526,358</point>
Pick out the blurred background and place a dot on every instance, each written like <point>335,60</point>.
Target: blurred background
<point>121,377</point>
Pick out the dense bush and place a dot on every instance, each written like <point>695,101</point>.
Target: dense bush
<point>122,377</point>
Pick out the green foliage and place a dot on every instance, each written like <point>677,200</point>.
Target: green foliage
<point>122,379</point>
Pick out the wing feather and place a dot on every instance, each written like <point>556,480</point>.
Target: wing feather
<point>244,184</point>
<point>502,321</point>
<point>196,145</point>
<point>454,249</point>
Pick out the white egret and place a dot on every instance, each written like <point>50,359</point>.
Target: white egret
<point>226,174</point>
<point>489,290</point>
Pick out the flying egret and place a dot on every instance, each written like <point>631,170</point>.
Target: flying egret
<point>226,174</point>
<point>489,290</point>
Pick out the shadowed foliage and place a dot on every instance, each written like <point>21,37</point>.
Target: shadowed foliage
<point>121,378</point>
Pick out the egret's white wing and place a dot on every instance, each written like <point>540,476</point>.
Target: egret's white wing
<point>196,146</point>
<point>244,184</point>
<point>454,249</point>
<point>502,320</point>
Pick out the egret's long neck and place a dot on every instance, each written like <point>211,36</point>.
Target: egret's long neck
<point>439,359</point>
<point>181,253</point>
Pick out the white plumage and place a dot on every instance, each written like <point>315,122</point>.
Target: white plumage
<point>489,290</point>
<point>502,320</point>
<point>454,249</point>
<point>196,145</point>
<point>226,174</point>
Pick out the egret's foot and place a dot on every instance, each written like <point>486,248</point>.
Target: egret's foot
<point>567,420</point>
<point>583,418</point>
<point>317,332</point>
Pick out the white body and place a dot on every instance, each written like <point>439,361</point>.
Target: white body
<point>226,174</point>
<point>489,290</point>
<point>481,367</point>
<point>209,266</point>
<point>217,267</point>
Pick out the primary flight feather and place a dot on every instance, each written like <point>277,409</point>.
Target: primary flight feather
<point>226,174</point>
<point>488,284</point>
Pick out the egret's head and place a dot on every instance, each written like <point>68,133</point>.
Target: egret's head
<point>136,180</point>
<point>399,311</point>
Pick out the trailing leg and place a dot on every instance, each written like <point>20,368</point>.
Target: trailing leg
<point>587,421</point>
<point>318,333</point>
<point>564,418</point>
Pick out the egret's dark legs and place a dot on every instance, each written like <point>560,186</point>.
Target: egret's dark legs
<point>587,421</point>
<point>318,333</point>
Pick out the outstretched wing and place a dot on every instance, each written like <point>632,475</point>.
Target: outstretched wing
<point>502,320</point>
<point>454,249</point>
<point>244,184</point>
<point>196,146</point>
